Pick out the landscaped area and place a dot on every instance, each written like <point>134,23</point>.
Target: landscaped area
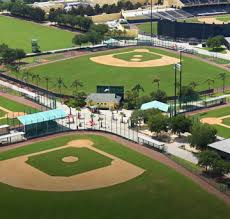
<point>145,196</point>
<point>85,70</point>
<point>218,113</point>
<point>17,33</point>
<point>146,27</point>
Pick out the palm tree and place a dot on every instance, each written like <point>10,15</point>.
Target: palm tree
<point>156,80</point>
<point>47,79</point>
<point>138,88</point>
<point>60,84</point>
<point>25,76</point>
<point>209,82</point>
<point>193,84</point>
<point>37,78</point>
<point>76,84</point>
<point>223,76</point>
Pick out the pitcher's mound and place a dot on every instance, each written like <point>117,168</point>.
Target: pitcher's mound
<point>70,159</point>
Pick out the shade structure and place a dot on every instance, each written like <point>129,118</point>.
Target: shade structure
<point>155,105</point>
<point>42,116</point>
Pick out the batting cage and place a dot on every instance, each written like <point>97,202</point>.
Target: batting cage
<point>43,123</point>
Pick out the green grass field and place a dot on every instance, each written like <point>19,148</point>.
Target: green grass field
<point>221,131</point>
<point>51,162</point>
<point>227,121</point>
<point>18,34</point>
<point>160,192</point>
<point>131,55</point>
<point>14,107</point>
<point>2,113</point>
<point>224,18</point>
<point>93,74</point>
<point>146,27</point>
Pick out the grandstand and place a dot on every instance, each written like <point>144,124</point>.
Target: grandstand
<point>162,13</point>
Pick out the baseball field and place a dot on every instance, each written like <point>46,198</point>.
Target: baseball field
<point>89,176</point>
<point>18,33</point>
<point>10,109</point>
<point>128,67</point>
<point>219,118</point>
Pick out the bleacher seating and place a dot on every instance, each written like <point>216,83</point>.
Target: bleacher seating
<point>208,10</point>
<point>204,2</point>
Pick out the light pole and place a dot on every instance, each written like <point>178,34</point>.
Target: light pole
<point>151,17</point>
<point>175,84</point>
<point>180,76</point>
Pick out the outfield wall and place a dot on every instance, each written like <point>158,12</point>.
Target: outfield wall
<point>183,30</point>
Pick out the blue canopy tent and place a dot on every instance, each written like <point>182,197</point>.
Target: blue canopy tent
<point>155,105</point>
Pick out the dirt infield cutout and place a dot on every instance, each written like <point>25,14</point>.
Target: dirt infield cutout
<point>216,121</point>
<point>17,173</point>
<point>10,114</point>
<point>112,61</point>
<point>210,20</point>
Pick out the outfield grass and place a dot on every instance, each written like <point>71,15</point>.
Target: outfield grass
<point>2,113</point>
<point>131,55</point>
<point>93,74</point>
<point>18,34</point>
<point>51,162</point>
<point>227,120</point>
<point>146,27</point>
<point>224,18</point>
<point>160,192</point>
<point>14,107</point>
<point>221,131</point>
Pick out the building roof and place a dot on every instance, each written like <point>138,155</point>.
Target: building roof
<point>215,98</point>
<point>155,105</point>
<point>103,97</point>
<point>42,116</point>
<point>223,145</point>
<point>227,39</point>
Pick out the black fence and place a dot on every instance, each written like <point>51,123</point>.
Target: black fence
<point>193,31</point>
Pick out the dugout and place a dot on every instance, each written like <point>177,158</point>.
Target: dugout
<point>43,123</point>
<point>215,101</point>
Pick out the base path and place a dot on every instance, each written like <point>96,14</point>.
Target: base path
<point>216,121</point>
<point>140,149</point>
<point>134,63</point>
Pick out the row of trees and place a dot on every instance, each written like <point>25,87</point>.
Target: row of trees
<point>20,9</point>
<point>79,96</point>
<point>77,22</point>
<point>95,35</point>
<point>8,56</point>
<point>106,8</point>
<point>213,164</point>
<point>201,134</point>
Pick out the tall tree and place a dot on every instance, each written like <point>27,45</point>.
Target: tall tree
<point>223,77</point>
<point>76,84</point>
<point>138,88</point>
<point>156,80</point>
<point>202,135</point>
<point>60,84</point>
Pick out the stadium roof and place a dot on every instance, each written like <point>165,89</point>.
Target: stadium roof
<point>155,105</point>
<point>42,116</point>
<point>223,145</point>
